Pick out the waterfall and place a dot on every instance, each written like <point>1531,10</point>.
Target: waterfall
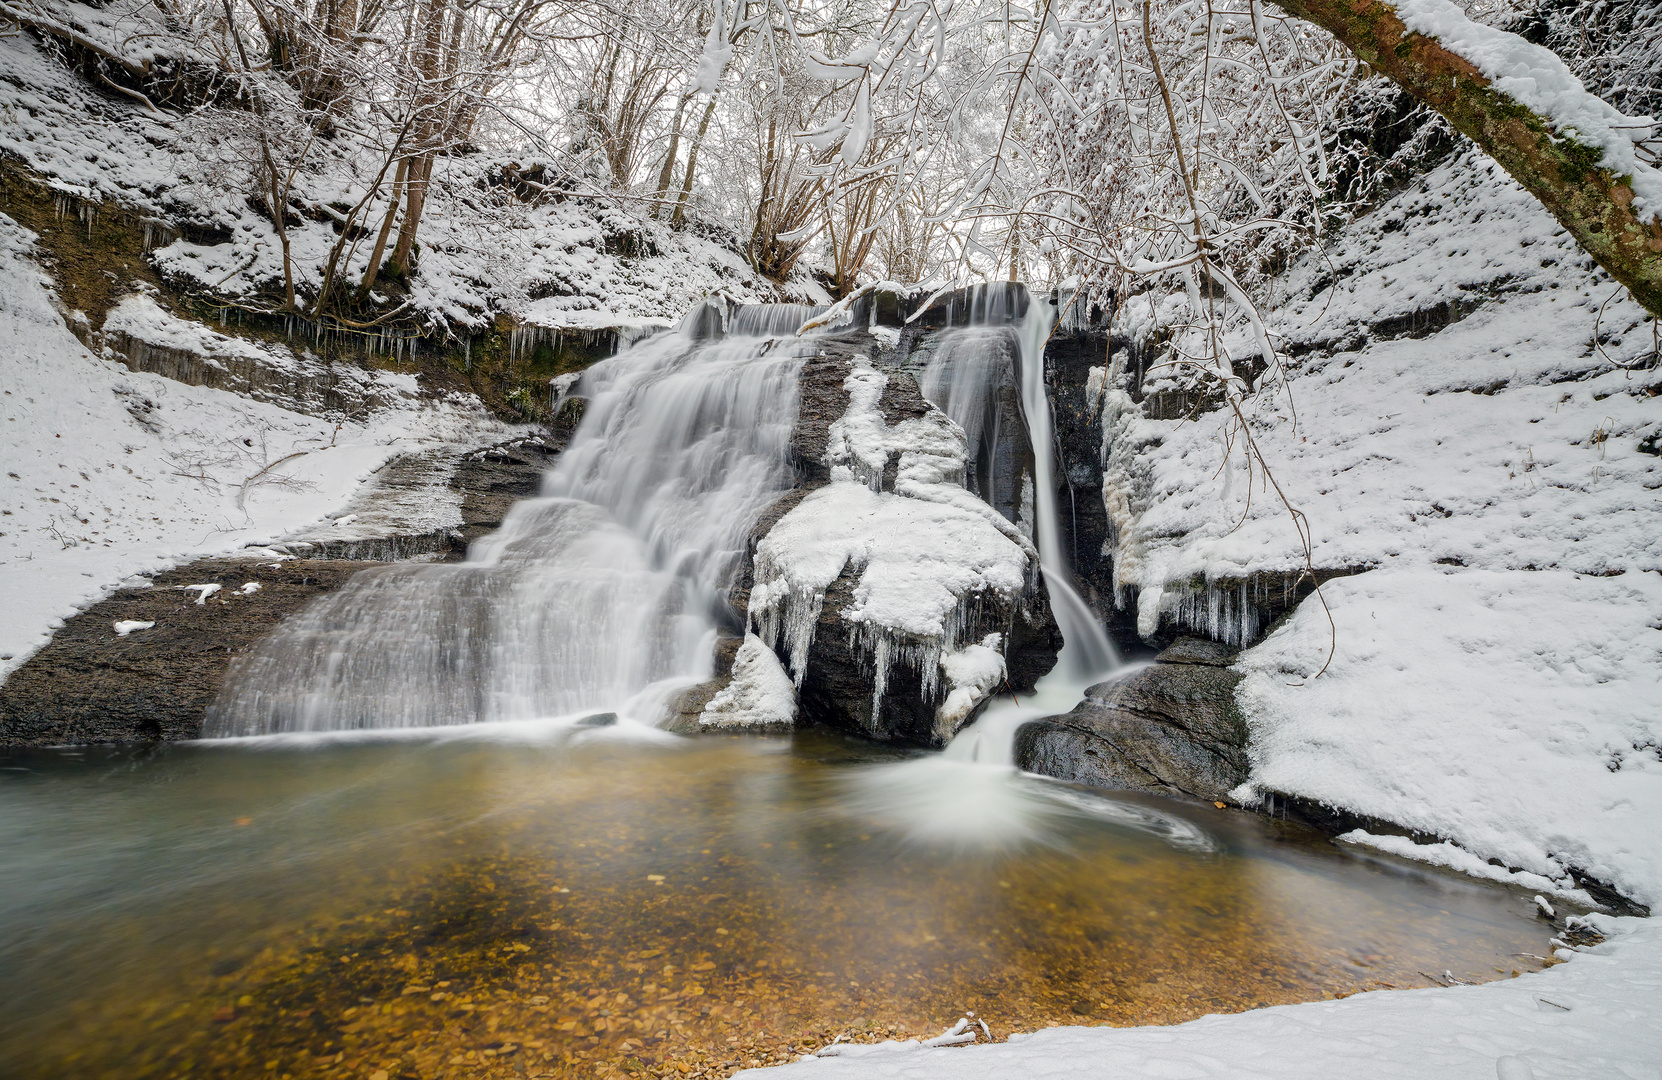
<point>610,584</point>
<point>972,378</point>
<point>1087,651</point>
<point>606,592</point>
<point>964,379</point>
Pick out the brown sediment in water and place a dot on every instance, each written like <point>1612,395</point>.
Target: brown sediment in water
<point>690,914</point>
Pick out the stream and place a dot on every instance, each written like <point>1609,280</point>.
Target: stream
<point>544,898</point>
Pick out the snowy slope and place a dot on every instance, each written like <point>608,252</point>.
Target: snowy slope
<point>556,265</point>
<point>1496,672</point>
<point>1592,1017</point>
<point>109,473</point>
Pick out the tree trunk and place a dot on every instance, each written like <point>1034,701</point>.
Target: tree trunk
<point>429,63</point>
<point>415,200</point>
<point>680,217</point>
<point>1595,206</point>
<point>386,230</point>
<point>666,175</point>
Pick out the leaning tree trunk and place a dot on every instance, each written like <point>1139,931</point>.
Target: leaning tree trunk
<point>1588,199</point>
<point>679,219</point>
<point>428,61</point>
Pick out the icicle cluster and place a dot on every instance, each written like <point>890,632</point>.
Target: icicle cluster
<point>928,552</point>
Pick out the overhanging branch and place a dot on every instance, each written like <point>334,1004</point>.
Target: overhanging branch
<point>1566,175</point>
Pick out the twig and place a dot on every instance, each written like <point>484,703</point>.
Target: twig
<point>242,492</point>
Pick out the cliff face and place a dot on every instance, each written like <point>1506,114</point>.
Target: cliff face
<point>1468,424</point>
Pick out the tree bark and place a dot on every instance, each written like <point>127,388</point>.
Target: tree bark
<point>680,217</point>
<point>375,257</point>
<point>415,200</point>
<point>666,175</point>
<point>1594,205</point>
<point>428,66</point>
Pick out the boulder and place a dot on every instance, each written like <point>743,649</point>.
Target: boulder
<point>879,516</point>
<point>1171,728</point>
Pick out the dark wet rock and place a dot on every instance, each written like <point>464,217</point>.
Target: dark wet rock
<point>821,402</point>
<point>837,690</point>
<point>1171,728</point>
<point>1085,532</point>
<point>493,479</point>
<point>599,719</point>
<point>1192,650</point>
<point>90,686</point>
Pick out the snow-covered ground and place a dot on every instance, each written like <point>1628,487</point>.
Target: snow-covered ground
<point>109,473</point>
<point>1593,1017</point>
<point>578,264</point>
<point>1496,672</point>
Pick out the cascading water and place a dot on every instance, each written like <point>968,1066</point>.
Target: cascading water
<point>1087,651</point>
<point>963,380</point>
<point>610,584</point>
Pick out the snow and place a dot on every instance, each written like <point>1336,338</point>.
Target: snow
<point>924,550</point>
<point>972,674</point>
<point>123,627</point>
<point>579,265</point>
<point>760,695</point>
<point>110,473</point>
<point>1458,859</point>
<point>1538,78</point>
<point>202,591</point>
<point>1496,665</point>
<point>1594,1016</point>
<point>1513,713</point>
<point>718,51</point>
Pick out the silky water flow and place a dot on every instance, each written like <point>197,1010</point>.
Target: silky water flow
<point>987,374</point>
<point>607,587</point>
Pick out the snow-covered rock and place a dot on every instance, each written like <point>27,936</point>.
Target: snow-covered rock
<point>760,695</point>
<point>890,589</point>
<point>1472,415</point>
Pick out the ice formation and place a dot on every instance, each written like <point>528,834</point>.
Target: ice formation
<point>925,551</point>
<point>972,674</point>
<point>760,695</point>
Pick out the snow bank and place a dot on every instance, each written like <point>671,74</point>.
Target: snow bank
<point>1495,473</point>
<point>1513,713</point>
<point>760,695</point>
<point>1594,1016</point>
<point>1460,435</point>
<point>1458,859</point>
<point>110,473</point>
<point>924,549</point>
